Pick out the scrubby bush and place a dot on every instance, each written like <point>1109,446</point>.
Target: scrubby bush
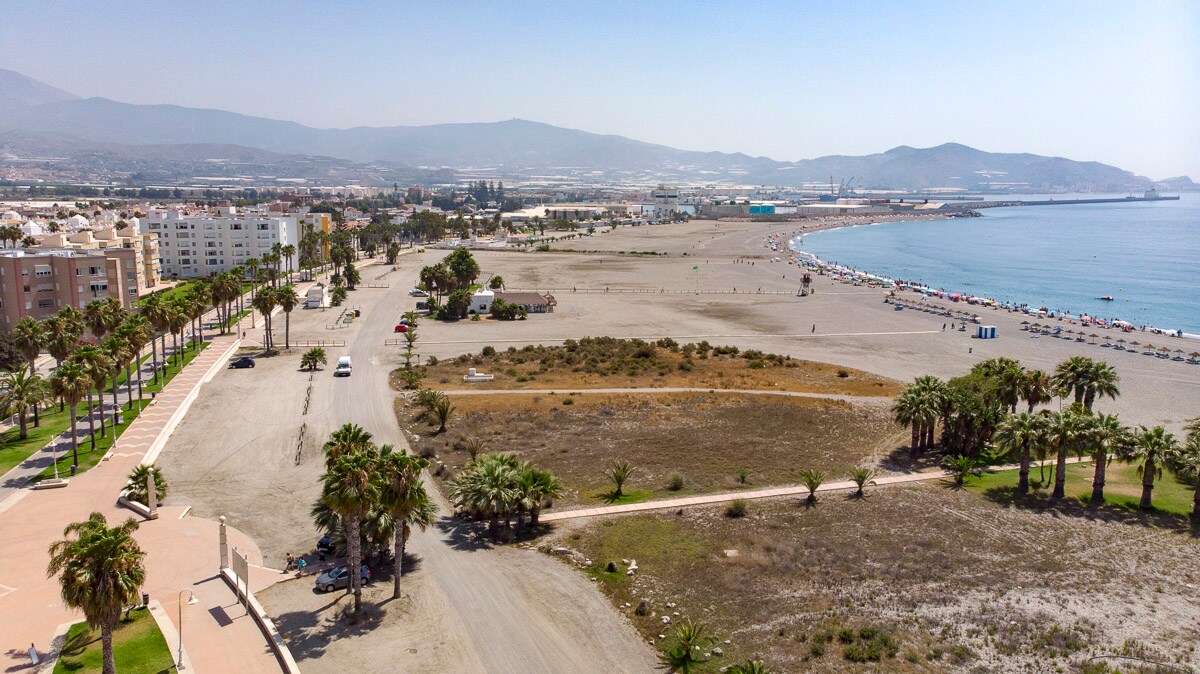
<point>675,483</point>
<point>488,351</point>
<point>736,508</point>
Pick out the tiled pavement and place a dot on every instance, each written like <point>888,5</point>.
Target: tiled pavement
<point>181,551</point>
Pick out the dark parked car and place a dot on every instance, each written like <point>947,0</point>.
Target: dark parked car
<point>243,362</point>
<point>325,544</point>
<point>336,579</point>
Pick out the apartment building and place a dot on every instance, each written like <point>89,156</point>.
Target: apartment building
<point>137,251</point>
<point>38,282</point>
<point>203,243</point>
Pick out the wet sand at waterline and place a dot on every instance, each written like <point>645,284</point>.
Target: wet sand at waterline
<point>654,296</point>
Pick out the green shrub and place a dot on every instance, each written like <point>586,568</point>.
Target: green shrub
<point>675,483</point>
<point>568,401</point>
<point>489,351</point>
<point>842,374</point>
<point>736,508</point>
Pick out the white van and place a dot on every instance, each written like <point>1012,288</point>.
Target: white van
<point>343,367</point>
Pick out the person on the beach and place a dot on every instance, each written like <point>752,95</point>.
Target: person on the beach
<point>814,328</point>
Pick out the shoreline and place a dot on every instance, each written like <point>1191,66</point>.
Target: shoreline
<point>810,260</point>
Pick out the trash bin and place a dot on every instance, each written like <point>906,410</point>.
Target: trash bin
<point>358,313</point>
<point>145,599</point>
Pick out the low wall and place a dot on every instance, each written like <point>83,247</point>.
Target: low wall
<point>264,623</point>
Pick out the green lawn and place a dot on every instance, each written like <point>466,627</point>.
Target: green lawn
<point>1122,486</point>
<point>138,648</point>
<point>89,457</point>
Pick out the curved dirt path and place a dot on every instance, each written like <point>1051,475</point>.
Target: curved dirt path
<point>761,392</point>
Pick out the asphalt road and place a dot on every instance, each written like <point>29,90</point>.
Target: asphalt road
<point>517,610</point>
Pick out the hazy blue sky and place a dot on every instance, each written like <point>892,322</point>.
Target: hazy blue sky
<point>1117,82</point>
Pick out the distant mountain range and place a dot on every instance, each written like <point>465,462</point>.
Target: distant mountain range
<point>36,113</point>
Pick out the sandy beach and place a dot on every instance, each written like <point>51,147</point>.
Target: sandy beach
<point>716,281</point>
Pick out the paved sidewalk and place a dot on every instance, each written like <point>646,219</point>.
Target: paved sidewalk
<point>181,552</point>
<point>792,490</point>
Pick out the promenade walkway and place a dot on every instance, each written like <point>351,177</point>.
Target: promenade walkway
<point>182,551</point>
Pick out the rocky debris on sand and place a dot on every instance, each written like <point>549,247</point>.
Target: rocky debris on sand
<point>666,620</point>
<point>718,651</point>
<point>611,567</point>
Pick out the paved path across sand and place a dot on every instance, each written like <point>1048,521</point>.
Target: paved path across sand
<point>181,551</point>
<point>814,335</point>
<point>757,392</point>
<point>792,490</point>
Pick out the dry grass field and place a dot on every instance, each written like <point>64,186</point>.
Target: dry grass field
<point>908,579</point>
<point>713,441</point>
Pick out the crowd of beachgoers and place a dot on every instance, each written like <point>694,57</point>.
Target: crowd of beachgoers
<point>783,242</point>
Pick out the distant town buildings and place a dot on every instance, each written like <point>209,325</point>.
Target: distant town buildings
<point>39,281</point>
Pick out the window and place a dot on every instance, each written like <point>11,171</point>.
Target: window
<point>45,304</point>
<point>133,291</point>
<point>262,226</point>
<point>26,288</point>
<point>211,261</point>
<point>78,271</point>
<point>95,271</point>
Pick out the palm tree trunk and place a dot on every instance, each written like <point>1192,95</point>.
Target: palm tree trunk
<point>24,430</point>
<point>287,330</point>
<point>398,562</point>
<point>1196,503</point>
<point>106,646</point>
<point>494,527</point>
<point>355,562</point>
<point>1023,480</point>
<point>92,421</point>
<point>74,439</point>
<point>536,511</point>
<point>915,444</point>
<point>1060,474</point>
<point>116,404</point>
<point>154,359</point>
<point>929,434</point>
<point>1147,484</point>
<point>1098,480</point>
<point>128,387</point>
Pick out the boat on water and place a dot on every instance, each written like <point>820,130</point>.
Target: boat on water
<point>1106,298</point>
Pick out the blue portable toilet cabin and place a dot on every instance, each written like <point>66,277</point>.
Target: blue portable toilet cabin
<point>986,332</point>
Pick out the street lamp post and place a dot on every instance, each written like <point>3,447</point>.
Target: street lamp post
<point>191,602</point>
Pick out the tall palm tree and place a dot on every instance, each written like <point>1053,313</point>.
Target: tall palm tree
<point>94,362</point>
<point>265,303</point>
<point>1065,431</point>
<point>1036,389</point>
<point>22,392</point>
<point>1188,458</point>
<point>100,572</point>
<point>1009,375</point>
<point>288,252</point>
<point>1152,447</point>
<point>136,330</point>
<point>405,499</point>
<point>29,338</point>
<point>177,320</point>
<point>287,299</point>
<point>1019,433</point>
<point>1102,382</point>
<point>350,488</point>
<point>1108,438</point>
<point>61,334</point>
<point>154,310</point>
<point>1071,377</point>
<point>348,439</point>
<point>131,347</point>
<point>114,349</point>
<point>70,383</point>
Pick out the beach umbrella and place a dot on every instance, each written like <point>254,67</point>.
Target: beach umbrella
<point>1135,344</point>
<point>1194,354</point>
<point>1165,349</point>
<point>1121,341</point>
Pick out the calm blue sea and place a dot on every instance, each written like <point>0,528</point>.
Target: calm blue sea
<point>1145,255</point>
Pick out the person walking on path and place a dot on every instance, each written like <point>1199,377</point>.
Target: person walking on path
<point>814,328</point>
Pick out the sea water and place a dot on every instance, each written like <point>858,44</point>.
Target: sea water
<point>1146,255</point>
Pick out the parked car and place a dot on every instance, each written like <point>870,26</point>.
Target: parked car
<point>243,362</point>
<point>400,327</point>
<point>417,292</point>
<point>422,305</point>
<point>338,578</point>
<point>325,543</point>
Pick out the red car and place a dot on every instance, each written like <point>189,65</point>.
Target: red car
<point>401,328</point>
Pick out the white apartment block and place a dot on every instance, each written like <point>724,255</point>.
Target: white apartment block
<point>204,243</point>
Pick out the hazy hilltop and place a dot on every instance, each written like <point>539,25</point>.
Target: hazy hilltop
<point>38,110</point>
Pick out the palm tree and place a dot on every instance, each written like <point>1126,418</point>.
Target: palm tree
<point>138,483</point>
<point>812,479</point>
<point>1188,459</point>
<point>29,338</point>
<point>1102,382</point>
<point>1009,375</point>
<point>70,383</point>
<point>288,252</point>
<point>114,348</point>
<point>619,472</point>
<point>136,330</point>
<point>22,392</point>
<point>1036,388</point>
<point>1019,434</point>
<point>488,487</point>
<point>861,477</point>
<point>1071,377</point>
<point>1065,431</point>
<point>61,334</point>
<point>177,320</point>
<point>265,303</point>
<point>155,310</point>
<point>348,439</point>
<point>907,411</point>
<point>405,499</point>
<point>538,488</point>
<point>961,467</point>
<point>100,571</point>
<point>350,488</point>
<point>1109,437</point>
<point>95,364</point>
<point>683,652</point>
<point>442,408</point>
<point>1153,447</point>
<point>312,358</point>
<point>288,299</point>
